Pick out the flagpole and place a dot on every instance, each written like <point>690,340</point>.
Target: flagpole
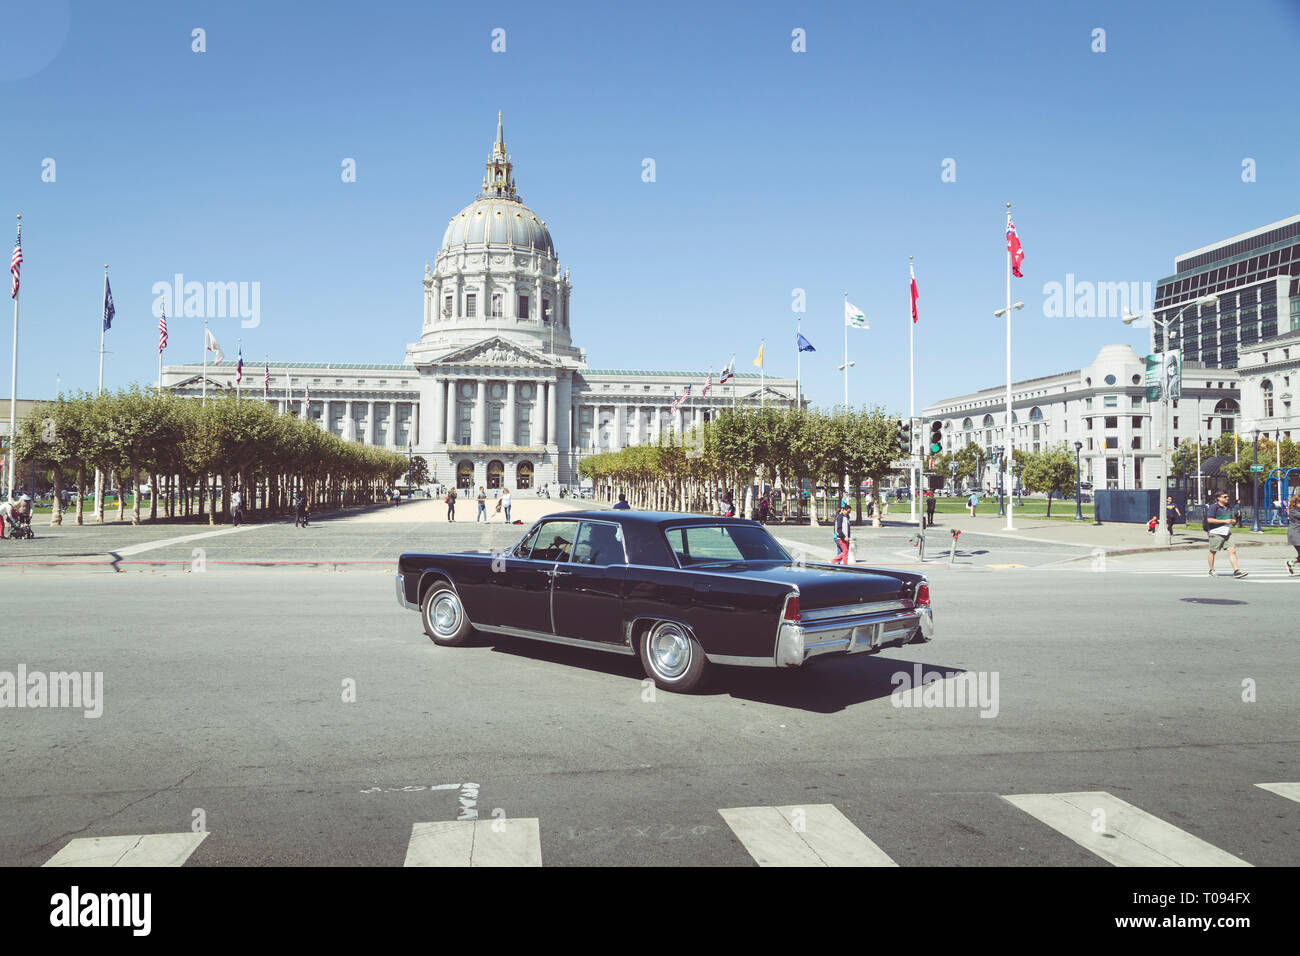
<point>762,375</point>
<point>846,351</point>
<point>205,362</point>
<point>1009,463</point>
<point>798,359</point>
<point>911,390</point>
<point>239,373</point>
<point>13,385</point>
<point>99,475</point>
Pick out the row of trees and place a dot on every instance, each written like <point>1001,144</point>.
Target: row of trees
<point>782,446</point>
<point>193,452</point>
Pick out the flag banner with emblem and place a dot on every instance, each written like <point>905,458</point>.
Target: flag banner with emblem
<point>915,294</point>
<point>729,372</point>
<point>854,317</point>
<point>210,345</point>
<point>804,344</point>
<point>16,263</point>
<point>109,311</point>
<point>1013,246</point>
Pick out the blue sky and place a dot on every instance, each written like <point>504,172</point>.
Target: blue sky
<point>775,170</point>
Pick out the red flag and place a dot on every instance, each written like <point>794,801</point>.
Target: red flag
<point>915,294</point>
<point>1013,246</point>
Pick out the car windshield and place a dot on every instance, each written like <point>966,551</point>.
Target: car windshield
<point>723,544</point>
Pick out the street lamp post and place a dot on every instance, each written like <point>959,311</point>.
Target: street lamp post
<point>1167,327</point>
<point>1078,482</point>
<point>1008,458</point>
<point>1254,509</point>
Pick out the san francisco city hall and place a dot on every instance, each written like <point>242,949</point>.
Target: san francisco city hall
<point>494,392</point>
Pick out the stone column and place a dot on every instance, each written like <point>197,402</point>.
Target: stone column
<point>415,425</point>
<point>392,424</point>
<point>349,424</point>
<point>452,438</point>
<point>564,413</point>
<point>620,427</point>
<point>324,413</point>
<point>282,406</point>
<point>370,423</point>
<point>551,402</point>
<point>438,433</point>
<point>479,430</point>
<point>509,415</point>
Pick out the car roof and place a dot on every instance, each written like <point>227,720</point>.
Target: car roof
<point>645,518</point>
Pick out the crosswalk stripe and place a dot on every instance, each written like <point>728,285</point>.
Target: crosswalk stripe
<point>1289,790</point>
<point>815,835</point>
<point>475,843</point>
<point>1128,835</point>
<point>152,849</point>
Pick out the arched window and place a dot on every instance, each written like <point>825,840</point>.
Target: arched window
<point>524,474</point>
<point>1035,414</point>
<point>495,472</point>
<point>1226,407</point>
<point>988,421</point>
<point>1266,390</point>
<point>465,474</point>
<point>967,425</point>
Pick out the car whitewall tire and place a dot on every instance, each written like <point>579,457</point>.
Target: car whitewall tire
<point>444,617</point>
<point>672,657</point>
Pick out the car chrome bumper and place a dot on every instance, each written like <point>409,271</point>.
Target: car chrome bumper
<point>400,583</point>
<point>798,643</point>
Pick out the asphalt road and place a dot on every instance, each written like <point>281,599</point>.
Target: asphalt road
<point>224,698</point>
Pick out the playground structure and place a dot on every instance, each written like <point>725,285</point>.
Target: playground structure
<point>1278,488</point>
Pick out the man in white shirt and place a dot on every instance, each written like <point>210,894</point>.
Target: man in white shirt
<point>236,507</point>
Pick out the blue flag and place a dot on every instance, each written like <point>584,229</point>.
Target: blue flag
<point>109,311</point>
<point>805,345</point>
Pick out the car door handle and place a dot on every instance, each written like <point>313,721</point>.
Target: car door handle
<point>560,573</point>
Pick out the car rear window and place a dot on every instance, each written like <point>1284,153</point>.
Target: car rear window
<point>715,544</point>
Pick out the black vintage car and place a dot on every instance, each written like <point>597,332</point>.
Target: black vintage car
<point>680,591</point>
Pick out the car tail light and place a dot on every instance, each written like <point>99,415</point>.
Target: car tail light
<point>791,612</point>
<point>922,595</point>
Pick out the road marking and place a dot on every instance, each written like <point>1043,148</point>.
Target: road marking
<point>814,835</point>
<point>1289,790</point>
<point>1118,832</point>
<point>497,842</point>
<point>167,542</point>
<point>153,849</point>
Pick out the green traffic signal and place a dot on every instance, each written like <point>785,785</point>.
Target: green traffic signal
<point>936,437</point>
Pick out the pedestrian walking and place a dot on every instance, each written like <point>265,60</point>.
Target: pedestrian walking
<point>1171,513</point>
<point>482,506</point>
<point>842,532</point>
<point>973,502</point>
<point>450,502</point>
<point>300,510</point>
<point>505,502</point>
<point>236,507</point>
<point>621,504</point>
<point>1219,522</point>
<point>1293,530</point>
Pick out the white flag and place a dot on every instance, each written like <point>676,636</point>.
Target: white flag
<point>212,346</point>
<point>853,316</point>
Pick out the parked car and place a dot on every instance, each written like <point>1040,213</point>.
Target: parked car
<point>682,592</point>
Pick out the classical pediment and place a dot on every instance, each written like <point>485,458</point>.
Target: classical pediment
<point>497,352</point>
<point>196,381</point>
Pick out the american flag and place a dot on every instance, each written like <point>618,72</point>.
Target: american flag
<point>239,367</point>
<point>676,401</point>
<point>266,382</point>
<point>708,384</point>
<point>16,262</point>
<point>162,331</point>
<point>306,404</point>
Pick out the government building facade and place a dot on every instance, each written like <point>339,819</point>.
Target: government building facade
<point>494,393</point>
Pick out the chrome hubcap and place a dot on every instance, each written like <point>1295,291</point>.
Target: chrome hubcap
<point>445,614</point>
<point>670,650</point>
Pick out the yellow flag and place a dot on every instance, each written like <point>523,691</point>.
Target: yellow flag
<point>759,361</point>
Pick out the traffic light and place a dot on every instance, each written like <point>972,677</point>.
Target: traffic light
<point>905,437</point>
<point>936,437</point>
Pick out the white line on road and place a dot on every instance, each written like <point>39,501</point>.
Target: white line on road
<point>498,842</point>
<point>815,835</point>
<point>153,849</point>
<point>1289,790</point>
<point>1118,832</point>
<point>167,542</point>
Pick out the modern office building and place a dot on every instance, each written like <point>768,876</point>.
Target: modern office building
<point>1256,277</point>
<point>1103,406</point>
<point>494,393</point>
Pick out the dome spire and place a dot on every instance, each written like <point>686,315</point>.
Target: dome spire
<point>499,182</point>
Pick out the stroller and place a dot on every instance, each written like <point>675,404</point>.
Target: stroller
<point>20,525</point>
